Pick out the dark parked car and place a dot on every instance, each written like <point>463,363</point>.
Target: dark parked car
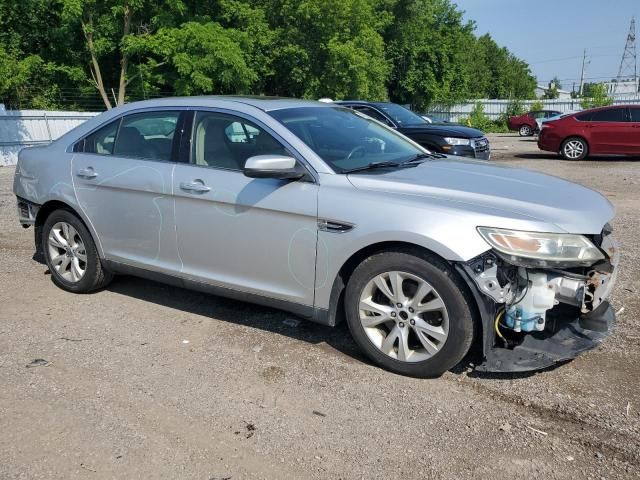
<point>445,138</point>
<point>527,124</point>
<point>599,131</point>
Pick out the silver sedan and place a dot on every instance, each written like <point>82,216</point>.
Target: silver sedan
<point>329,214</point>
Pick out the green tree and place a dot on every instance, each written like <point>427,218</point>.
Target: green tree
<point>427,45</point>
<point>597,97</point>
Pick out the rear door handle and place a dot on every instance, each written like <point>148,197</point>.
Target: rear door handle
<point>196,186</point>
<point>87,173</point>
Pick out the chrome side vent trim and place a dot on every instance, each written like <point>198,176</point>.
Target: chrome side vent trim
<point>334,226</point>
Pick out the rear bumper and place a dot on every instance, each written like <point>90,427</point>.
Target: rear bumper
<point>548,142</point>
<point>563,340</point>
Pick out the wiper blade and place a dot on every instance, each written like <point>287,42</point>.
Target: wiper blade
<point>373,165</point>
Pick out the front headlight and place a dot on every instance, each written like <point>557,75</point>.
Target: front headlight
<point>544,247</point>
<point>457,141</point>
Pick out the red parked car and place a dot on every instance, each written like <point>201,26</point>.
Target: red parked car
<point>526,124</point>
<point>599,131</point>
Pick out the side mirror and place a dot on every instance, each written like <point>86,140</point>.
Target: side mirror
<point>273,166</point>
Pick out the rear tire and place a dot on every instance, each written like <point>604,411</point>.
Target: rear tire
<point>421,329</point>
<point>574,148</point>
<point>525,131</point>
<point>71,254</point>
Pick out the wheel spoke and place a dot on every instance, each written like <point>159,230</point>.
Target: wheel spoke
<point>383,286</point>
<point>396,283</point>
<point>65,233</point>
<point>431,306</point>
<point>428,345</point>
<point>423,291</point>
<point>403,345</point>
<point>81,255</point>
<point>431,330</point>
<point>390,340</point>
<point>56,239</point>
<point>72,235</point>
<point>76,271</point>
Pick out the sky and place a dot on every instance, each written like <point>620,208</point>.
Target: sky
<point>551,35</point>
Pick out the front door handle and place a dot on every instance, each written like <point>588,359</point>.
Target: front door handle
<point>87,173</point>
<point>196,186</point>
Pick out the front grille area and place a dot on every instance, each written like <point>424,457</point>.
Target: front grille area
<point>480,145</point>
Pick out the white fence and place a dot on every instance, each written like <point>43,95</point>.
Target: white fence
<point>23,128</point>
<point>494,108</point>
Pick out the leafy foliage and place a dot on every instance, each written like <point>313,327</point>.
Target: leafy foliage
<point>597,97</point>
<point>87,53</point>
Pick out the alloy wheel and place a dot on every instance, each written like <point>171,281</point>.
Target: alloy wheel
<point>574,149</point>
<point>525,130</point>
<point>67,252</point>
<point>404,316</point>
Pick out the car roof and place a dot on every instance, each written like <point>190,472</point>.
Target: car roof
<point>363,102</point>
<point>263,103</point>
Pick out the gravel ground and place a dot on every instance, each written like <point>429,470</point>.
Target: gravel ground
<point>149,381</point>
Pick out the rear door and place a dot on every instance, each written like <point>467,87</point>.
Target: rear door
<point>634,137</point>
<point>122,176</point>
<point>609,131</point>
<point>254,235</point>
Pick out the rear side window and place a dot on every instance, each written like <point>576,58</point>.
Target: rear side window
<point>102,141</point>
<point>147,135</point>
<point>635,114</point>
<point>609,115</point>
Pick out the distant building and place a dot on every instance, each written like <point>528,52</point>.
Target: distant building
<point>627,87</point>
<point>541,90</point>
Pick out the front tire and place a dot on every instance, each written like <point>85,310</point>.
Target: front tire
<point>409,313</point>
<point>574,148</point>
<point>71,254</point>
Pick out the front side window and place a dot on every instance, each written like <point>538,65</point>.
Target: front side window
<point>345,139</point>
<point>102,140</point>
<point>635,114</point>
<point>147,135</point>
<point>609,115</point>
<point>226,141</point>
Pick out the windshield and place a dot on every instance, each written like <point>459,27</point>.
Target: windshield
<point>401,115</point>
<point>346,139</point>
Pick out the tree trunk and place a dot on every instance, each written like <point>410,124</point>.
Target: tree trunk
<point>95,70</point>
<point>124,62</point>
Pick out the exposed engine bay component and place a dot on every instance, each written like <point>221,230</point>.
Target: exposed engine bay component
<point>530,311</point>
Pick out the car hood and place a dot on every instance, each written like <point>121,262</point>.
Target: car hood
<point>480,185</point>
<point>443,130</point>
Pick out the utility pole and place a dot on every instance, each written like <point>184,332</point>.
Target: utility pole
<point>584,63</point>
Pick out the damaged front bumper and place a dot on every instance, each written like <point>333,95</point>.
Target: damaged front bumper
<point>578,318</point>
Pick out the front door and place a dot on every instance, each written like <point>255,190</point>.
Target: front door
<point>608,130</point>
<point>122,178</point>
<point>253,235</point>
